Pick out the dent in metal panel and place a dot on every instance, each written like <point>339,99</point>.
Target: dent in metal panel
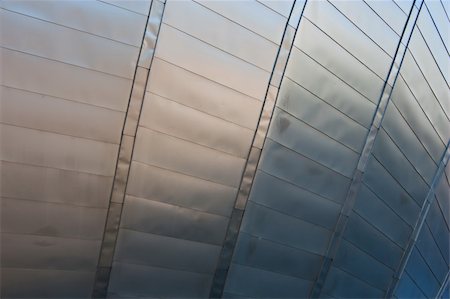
<point>203,95</point>
<point>93,17</point>
<point>54,185</point>
<point>66,45</point>
<point>180,190</point>
<point>42,112</point>
<point>221,33</point>
<point>188,52</point>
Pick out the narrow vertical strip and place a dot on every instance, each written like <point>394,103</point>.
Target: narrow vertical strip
<point>377,119</point>
<point>126,149</point>
<point>419,223</point>
<point>248,175</point>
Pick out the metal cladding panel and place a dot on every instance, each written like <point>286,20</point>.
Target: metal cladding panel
<point>235,149</point>
<point>202,104</point>
<point>69,73</point>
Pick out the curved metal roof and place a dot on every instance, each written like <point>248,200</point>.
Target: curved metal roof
<point>229,149</point>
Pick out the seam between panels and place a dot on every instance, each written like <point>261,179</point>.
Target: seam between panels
<point>419,224</point>
<point>375,126</point>
<point>125,153</point>
<point>445,284</point>
<point>249,172</point>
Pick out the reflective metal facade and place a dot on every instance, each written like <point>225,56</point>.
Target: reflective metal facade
<point>163,149</point>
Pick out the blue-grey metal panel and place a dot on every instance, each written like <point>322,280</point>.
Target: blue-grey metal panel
<point>303,172</point>
<point>258,283</point>
<point>265,254</point>
<point>287,198</point>
<point>422,275</point>
<point>341,284</point>
<point>356,262</point>
<point>380,215</point>
<point>430,252</point>
<point>367,238</point>
<point>407,288</point>
<point>319,114</point>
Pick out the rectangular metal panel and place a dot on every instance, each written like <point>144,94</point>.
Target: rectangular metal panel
<point>231,38</point>
<point>180,121</point>
<point>178,155</point>
<point>93,17</point>
<point>398,130</point>
<point>384,185</point>
<point>205,60</point>
<point>42,218</point>
<point>292,133</point>
<point>338,60</point>
<point>180,190</point>
<point>43,252</point>
<point>45,283</point>
<point>410,108</point>
<point>422,275</point>
<point>342,285</point>
<point>431,254</point>
<point>56,42</point>
<point>146,282</point>
<point>163,219</point>
<point>372,241</point>
<point>160,251</point>
<point>388,154</point>
<point>390,13</point>
<point>303,172</point>
<point>360,14</point>
<point>336,25</point>
<point>54,185</point>
<point>202,94</point>
<point>380,215</point>
<point>257,283</point>
<point>249,15</point>
<point>320,115</point>
<point>259,222</point>
<point>356,262</point>
<point>42,112</point>
<point>407,288</point>
<point>138,6</point>
<point>59,151</point>
<point>271,256</point>
<point>64,81</point>
<point>324,85</point>
<point>287,198</point>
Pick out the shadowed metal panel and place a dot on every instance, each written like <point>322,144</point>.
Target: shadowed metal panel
<point>69,69</point>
